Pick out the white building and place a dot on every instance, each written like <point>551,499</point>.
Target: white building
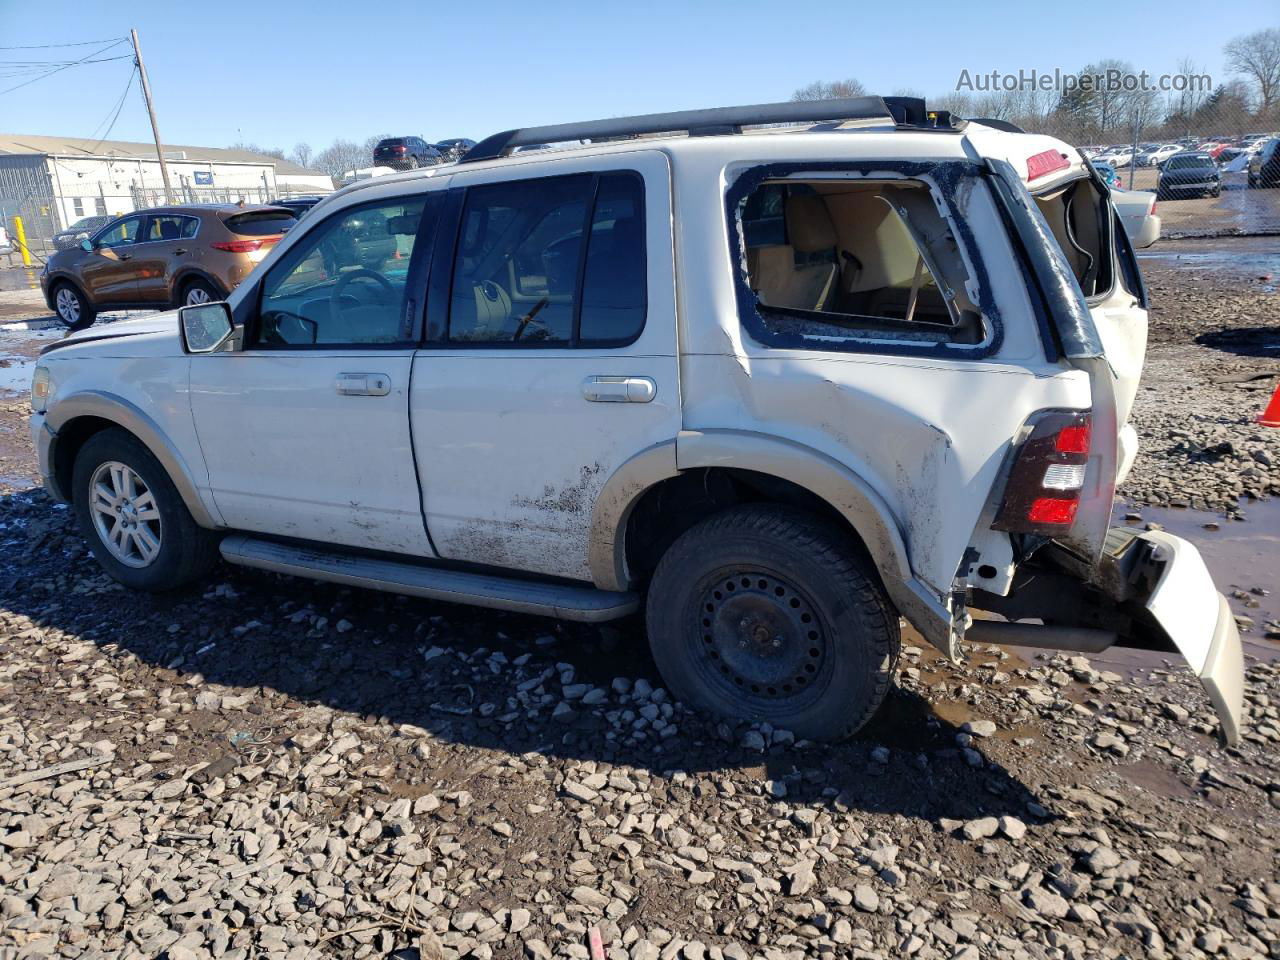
<point>54,181</point>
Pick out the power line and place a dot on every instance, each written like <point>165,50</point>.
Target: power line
<point>50,46</point>
<point>67,66</point>
<point>116,116</point>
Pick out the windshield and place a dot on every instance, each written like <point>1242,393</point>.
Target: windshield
<point>1183,163</point>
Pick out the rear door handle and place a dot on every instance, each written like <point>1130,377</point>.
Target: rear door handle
<point>363,384</point>
<point>619,389</point>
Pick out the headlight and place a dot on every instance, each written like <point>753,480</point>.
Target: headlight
<point>41,389</point>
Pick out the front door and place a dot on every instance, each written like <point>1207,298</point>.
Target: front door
<point>551,359</point>
<point>305,432</point>
<point>109,271</point>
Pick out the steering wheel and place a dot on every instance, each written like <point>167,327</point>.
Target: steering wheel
<point>360,273</point>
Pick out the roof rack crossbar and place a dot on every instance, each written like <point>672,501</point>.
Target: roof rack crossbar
<point>714,120</point>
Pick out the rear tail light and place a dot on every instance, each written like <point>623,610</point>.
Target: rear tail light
<point>1049,472</point>
<point>245,246</point>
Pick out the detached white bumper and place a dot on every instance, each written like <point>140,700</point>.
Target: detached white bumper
<point>1199,624</point>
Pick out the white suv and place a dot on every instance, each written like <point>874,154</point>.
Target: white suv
<point>778,388</point>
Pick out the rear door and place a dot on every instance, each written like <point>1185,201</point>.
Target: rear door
<point>164,245</point>
<point>551,358</point>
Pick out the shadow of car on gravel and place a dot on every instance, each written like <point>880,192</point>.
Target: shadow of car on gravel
<point>1246,341</point>
<point>378,657</point>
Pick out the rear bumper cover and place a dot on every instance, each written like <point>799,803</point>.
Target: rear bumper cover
<point>1196,620</point>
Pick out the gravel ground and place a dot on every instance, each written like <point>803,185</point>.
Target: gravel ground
<point>268,767</point>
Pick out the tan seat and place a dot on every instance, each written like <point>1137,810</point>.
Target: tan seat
<point>775,276</point>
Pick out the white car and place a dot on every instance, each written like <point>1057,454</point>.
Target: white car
<point>1137,209</point>
<point>1153,158</point>
<point>1117,158</point>
<point>5,245</point>
<point>780,387</point>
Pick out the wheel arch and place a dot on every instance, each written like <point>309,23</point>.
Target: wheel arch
<point>76,418</point>
<point>184,276</point>
<point>797,474</point>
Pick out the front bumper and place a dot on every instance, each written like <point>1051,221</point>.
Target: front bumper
<point>42,436</point>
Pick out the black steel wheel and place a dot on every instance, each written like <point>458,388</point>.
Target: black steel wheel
<point>766,613</point>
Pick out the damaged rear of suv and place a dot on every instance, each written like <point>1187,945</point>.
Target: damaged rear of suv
<point>782,374</point>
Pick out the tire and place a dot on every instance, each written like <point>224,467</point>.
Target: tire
<point>72,307</point>
<point>194,292</point>
<point>413,163</point>
<point>185,551</point>
<point>765,613</point>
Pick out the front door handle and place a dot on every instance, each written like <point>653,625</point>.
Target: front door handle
<point>180,251</point>
<point>619,389</point>
<point>124,256</point>
<point>363,384</point>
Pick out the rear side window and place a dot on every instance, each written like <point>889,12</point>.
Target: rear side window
<point>557,261</point>
<point>855,260</point>
<point>260,223</point>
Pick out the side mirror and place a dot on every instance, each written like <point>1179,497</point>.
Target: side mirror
<point>206,327</point>
<point>87,245</point>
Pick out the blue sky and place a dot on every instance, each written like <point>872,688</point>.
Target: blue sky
<point>279,72</point>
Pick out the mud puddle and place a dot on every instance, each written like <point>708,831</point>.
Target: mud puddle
<point>1255,257</point>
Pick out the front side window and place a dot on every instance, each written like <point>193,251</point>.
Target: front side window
<point>345,282</point>
<point>855,260</point>
<point>122,234</point>
<point>521,273</point>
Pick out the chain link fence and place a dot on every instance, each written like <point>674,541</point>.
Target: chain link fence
<point>45,215</point>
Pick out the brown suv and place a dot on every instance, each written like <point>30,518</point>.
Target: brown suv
<point>160,258</point>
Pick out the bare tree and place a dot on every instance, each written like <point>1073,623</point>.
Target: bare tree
<point>254,148</point>
<point>1257,57</point>
<point>302,154</point>
<point>341,157</point>
<point>830,90</point>
<point>371,142</point>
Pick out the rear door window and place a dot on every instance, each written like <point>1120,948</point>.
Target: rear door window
<point>170,227</point>
<point>524,275</point>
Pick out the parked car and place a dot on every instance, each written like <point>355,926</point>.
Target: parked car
<point>80,230</point>
<point>1189,175</point>
<point>163,257</point>
<point>6,245</point>
<point>1107,172</point>
<point>875,378</point>
<point>299,205</point>
<point>1157,155</point>
<point>1137,209</point>
<point>1264,166</point>
<point>455,148</point>
<point>1116,157</point>
<point>405,153</point>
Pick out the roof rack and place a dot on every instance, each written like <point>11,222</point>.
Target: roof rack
<point>903,111</point>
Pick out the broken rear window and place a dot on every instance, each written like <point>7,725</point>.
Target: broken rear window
<point>856,261</point>
<point>1079,215</point>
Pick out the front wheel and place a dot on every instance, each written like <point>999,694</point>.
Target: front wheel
<point>133,517</point>
<point>73,307</point>
<point>765,613</point>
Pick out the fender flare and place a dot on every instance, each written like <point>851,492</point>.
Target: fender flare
<point>102,405</point>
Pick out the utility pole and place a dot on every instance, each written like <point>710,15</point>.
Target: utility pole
<point>151,109</point>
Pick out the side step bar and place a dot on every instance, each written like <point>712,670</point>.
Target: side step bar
<point>585,604</point>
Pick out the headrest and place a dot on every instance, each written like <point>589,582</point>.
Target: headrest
<point>809,226</point>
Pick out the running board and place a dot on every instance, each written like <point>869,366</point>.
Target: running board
<point>585,604</point>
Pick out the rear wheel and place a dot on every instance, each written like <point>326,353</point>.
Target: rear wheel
<point>764,613</point>
<point>133,517</point>
<point>73,307</point>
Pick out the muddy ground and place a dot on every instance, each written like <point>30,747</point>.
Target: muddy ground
<point>270,767</point>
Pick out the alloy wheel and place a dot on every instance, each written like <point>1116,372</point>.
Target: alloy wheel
<point>198,295</point>
<point>68,305</point>
<point>125,514</point>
